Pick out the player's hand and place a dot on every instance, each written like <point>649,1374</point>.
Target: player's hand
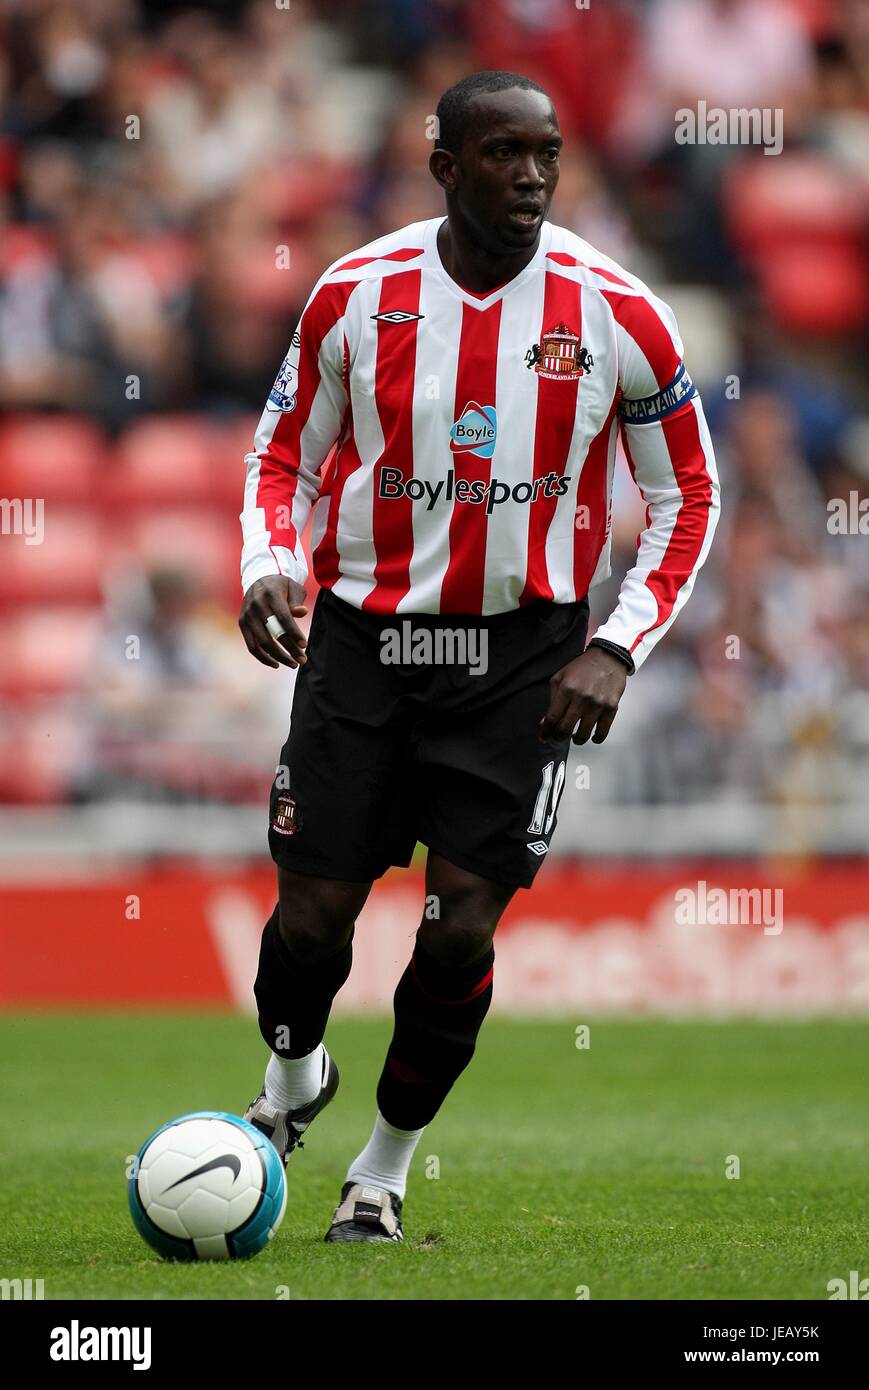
<point>267,621</point>
<point>585,693</point>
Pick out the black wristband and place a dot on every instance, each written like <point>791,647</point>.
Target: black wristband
<point>621,652</point>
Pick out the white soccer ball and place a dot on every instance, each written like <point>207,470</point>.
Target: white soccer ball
<point>207,1186</point>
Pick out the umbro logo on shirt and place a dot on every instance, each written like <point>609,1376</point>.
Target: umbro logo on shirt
<point>397,316</point>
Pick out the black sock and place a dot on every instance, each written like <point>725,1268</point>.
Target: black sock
<point>438,1014</point>
<point>294,997</point>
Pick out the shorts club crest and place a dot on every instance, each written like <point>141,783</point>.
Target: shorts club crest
<point>285,816</point>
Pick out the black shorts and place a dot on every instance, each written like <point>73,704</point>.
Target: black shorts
<point>382,754</point>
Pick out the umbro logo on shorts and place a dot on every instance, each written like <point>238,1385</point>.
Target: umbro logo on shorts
<point>538,847</point>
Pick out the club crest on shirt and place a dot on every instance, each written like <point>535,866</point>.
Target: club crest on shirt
<point>283,394</point>
<point>559,355</point>
<point>475,431</point>
<point>286,819</point>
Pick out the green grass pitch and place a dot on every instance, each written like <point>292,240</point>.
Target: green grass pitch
<point>558,1167</point>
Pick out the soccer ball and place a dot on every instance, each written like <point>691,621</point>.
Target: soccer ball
<point>207,1186</point>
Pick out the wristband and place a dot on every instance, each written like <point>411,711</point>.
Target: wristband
<point>621,652</point>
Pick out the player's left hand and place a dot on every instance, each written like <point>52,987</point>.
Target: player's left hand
<point>584,696</point>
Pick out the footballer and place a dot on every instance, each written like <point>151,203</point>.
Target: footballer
<point>467,379</point>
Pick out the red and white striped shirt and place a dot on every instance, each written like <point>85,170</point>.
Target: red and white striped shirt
<point>474,439</point>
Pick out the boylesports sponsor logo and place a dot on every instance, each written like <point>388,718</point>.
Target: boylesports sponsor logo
<point>476,491</point>
<point>475,431</point>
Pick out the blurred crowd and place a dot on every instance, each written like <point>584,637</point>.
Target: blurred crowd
<point>174,177</point>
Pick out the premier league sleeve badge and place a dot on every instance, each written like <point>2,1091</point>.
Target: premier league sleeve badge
<point>283,394</point>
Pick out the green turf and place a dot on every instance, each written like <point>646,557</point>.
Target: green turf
<point>558,1167</point>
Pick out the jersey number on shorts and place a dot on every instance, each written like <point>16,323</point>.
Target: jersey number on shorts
<point>541,823</point>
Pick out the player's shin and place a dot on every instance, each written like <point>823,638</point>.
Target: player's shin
<point>294,999</point>
<point>439,1011</point>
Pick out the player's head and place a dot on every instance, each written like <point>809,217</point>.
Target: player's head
<point>496,157</point>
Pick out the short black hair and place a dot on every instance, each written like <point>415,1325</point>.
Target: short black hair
<point>452,109</point>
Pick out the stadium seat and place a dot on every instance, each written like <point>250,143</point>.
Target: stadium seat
<point>45,649</point>
<point>808,294</point>
<point>204,542</point>
<point>38,743</point>
<point>56,457</point>
<point>233,440</point>
<point>65,568</point>
<point>22,243</point>
<point>297,190</point>
<point>798,196</point>
<point>799,222</point>
<point>168,259</point>
<point>166,460</point>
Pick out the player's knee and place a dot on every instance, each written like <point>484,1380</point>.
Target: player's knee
<point>462,912</point>
<point>317,917</point>
<point>310,938</point>
<point>462,934</point>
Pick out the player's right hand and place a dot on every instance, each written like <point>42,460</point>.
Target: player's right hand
<point>282,600</point>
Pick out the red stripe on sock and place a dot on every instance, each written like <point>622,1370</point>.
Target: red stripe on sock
<point>477,990</point>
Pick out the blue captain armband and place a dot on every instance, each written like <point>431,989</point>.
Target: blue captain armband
<point>663,403</point>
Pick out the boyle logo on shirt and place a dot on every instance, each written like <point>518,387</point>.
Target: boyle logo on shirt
<point>475,431</point>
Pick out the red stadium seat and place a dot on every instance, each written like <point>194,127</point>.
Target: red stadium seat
<point>45,649</point>
<point>799,222</point>
<point>170,260</point>
<point>234,440</point>
<point>811,296</point>
<point>56,457</point>
<point>38,745</point>
<point>771,202</point>
<point>297,190</point>
<point>22,243</point>
<point>203,542</point>
<point>167,459</point>
<point>65,568</point>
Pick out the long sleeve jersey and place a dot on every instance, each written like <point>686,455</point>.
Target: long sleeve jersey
<point>457,449</point>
